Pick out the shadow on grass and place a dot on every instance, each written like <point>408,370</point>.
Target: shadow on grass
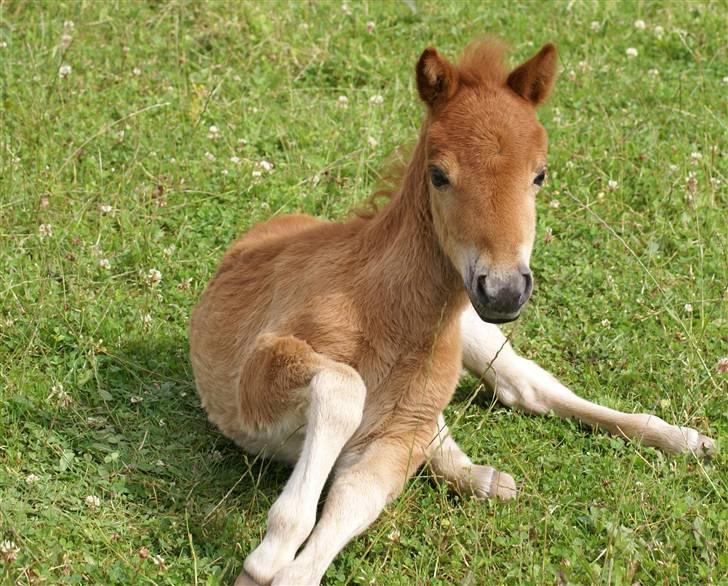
<point>172,464</point>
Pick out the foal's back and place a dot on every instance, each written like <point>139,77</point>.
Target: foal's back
<point>285,277</point>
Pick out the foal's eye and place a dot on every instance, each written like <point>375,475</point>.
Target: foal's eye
<point>540,178</point>
<point>438,178</point>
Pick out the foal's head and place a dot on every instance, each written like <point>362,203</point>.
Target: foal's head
<point>486,160</point>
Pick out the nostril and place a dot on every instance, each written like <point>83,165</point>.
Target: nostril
<point>482,295</point>
<point>528,287</point>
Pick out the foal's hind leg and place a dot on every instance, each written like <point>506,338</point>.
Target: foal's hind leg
<point>449,462</point>
<point>335,398</point>
<point>520,383</point>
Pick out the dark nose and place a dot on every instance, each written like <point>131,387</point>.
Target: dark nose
<point>502,295</point>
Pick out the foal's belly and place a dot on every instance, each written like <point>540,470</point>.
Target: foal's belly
<point>281,440</point>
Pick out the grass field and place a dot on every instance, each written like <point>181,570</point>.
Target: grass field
<point>137,139</point>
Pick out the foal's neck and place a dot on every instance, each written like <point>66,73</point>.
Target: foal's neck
<point>414,278</point>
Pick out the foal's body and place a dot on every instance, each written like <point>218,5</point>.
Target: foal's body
<point>336,346</point>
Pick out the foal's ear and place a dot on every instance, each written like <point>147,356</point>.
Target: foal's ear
<point>534,79</point>
<point>436,78</point>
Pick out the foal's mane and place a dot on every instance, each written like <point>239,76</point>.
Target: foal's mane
<point>482,63</point>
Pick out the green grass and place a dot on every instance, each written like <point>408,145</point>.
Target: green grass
<point>129,128</point>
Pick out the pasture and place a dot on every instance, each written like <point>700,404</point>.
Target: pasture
<point>137,140</point>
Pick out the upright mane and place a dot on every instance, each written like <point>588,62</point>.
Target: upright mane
<point>483,62</point>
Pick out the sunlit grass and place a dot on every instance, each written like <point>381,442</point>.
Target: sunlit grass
<point>138,139</point>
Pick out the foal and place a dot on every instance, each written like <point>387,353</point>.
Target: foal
<point>336,346</point>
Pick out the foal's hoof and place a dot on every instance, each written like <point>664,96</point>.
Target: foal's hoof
<point>487,482</point>
<point>244,579</point>
<point>698,444</point>
<point>706,446</point>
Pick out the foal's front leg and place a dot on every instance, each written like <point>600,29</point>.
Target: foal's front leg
<point>357,496</point>
<point>520,383</point>
<point>449,462</point>
<point>335,395</point>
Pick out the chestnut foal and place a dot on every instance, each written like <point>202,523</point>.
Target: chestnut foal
<point>336,346</point>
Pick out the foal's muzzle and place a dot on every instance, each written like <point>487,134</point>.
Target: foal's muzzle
<point>498,297</point>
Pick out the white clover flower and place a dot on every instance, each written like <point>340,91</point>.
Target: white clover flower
<point>3,44</point>
<point>725,79</point>
<point>376,100</point>
<point>345,9</point>
<point>154,276</point>
<point>242,142</point>
<point>62,398</point>
<point>209,156</point>
<point>691,182</point>
<point>172,161</point>
<point>235,160</point>
<point>146,319</point>
<point>715,182</point>
<point>64,71</point>
<point>612,185</point>
<point>632,52</point>
<point>9,551</point>
<point>45,231</point>
<point>213,132</point>
<point>265,165</point>
<point>695,157</point>
<point>640,25</point>
<point>92,501</point>
<point>104,264</point>
<point>371,25</point>
<point>185,284</point>
<point>659,31</point>
<point>65,41</point>
<point>373,143</point>
<point>136,71</point>
<point>169,250</point>
<point>69,25</point>
<point>606,323</point>
<point>554,203</point>
<point>105,208</point>
<point>393,536</point>
<point>160,464</point>
<point>722,366</point>
<point>653,72</point>
<point>596,26</point>
<point>32,478</point>
<point>342,102</point>
<point>673,168</point>
<point>224,172</point>
<point>688,308</point>
<point>255,173</point>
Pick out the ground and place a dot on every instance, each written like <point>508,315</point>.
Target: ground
<point>137,139</point>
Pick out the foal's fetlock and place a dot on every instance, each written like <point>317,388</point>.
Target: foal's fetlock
<point>487,482</point>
